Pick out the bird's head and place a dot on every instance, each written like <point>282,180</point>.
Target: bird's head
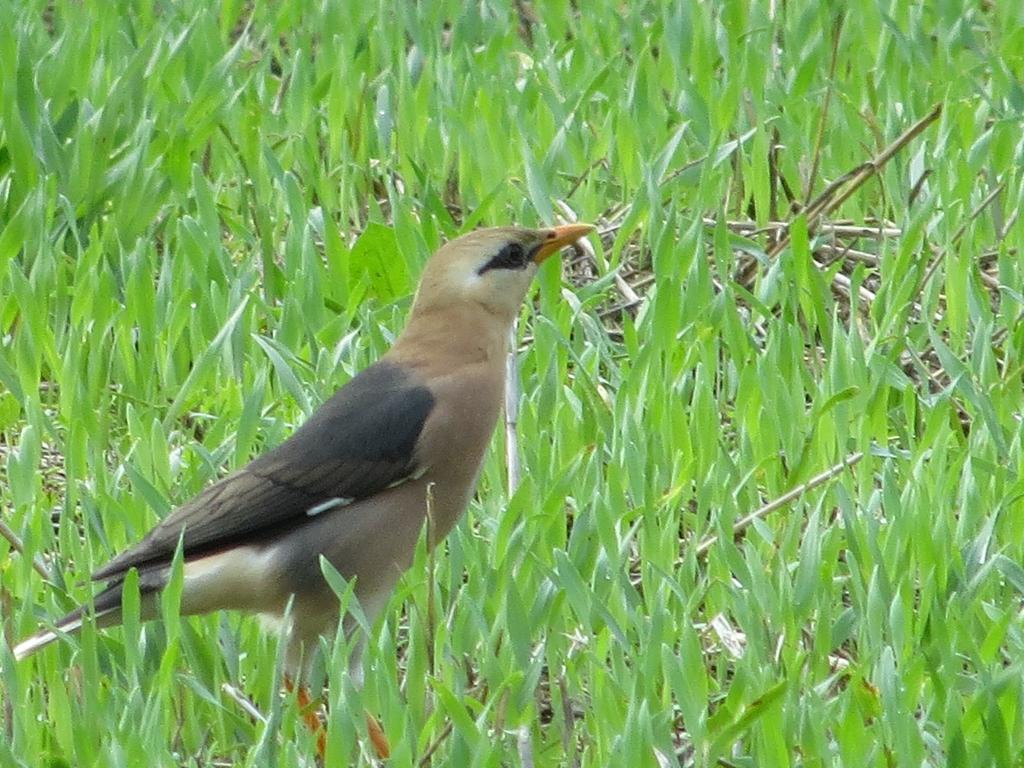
<point>490,268</point>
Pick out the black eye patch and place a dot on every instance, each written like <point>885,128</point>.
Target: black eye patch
<point>512,256</point>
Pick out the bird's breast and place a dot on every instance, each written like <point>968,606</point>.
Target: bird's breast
<point>374,539</point>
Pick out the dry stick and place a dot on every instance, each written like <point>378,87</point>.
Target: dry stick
<point>431,570</point>
<point>1001,235</point>
<point>568,736</point>
<point>914,358</point>
<point>992,283</point>
<point>959,234</point>
<point>446,732</point>
<point>842,230</point>
<point>527,20</point>
<point>841,192</point>
<point>429,752</point>
<point>741,525</point>
<point>7,612</point>
<point>999,335</point>
<point>745,274</point>
<point>933,377</point>
<point>19,546</point>
<point>282,91</point>
<point>875,165</point>
<point>644,281</point>
<point>675,175</point>
<point>582,177</point>
<point>631,296</point>
<point>820,138</point>
<point>616,309</point>
<point>993,253</point>
<point>774,174</point>
<point>851,254</point>
<point>431,606</point>
<point>831,189</point>
<point>512,466</point>
<point>845,286</point>
<point>918,186</point>
<point>989,281</point>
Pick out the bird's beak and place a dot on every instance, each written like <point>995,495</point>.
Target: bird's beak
<point>557,238</point>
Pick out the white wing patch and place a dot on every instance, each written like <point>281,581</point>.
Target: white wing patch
<point>324,506</point>
<point>414,476</point>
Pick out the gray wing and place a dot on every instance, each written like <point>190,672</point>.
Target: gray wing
<point>358,443</point>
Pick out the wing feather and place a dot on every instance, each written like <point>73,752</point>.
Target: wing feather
<point>360,442</point>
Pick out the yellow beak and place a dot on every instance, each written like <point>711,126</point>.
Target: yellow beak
<point>559,237</point>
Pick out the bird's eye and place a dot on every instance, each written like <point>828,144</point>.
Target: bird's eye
<point>512,256</point>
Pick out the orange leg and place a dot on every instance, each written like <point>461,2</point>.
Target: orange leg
<point>377,737</point>
<point>308,708</point>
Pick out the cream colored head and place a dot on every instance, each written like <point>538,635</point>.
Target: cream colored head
<point>490,268</point>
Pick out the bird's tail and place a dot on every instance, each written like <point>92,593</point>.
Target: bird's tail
<point>106,611</point>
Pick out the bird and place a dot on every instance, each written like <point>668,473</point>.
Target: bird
<point>350,485</point>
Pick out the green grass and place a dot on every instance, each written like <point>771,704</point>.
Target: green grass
<point>212,217</point>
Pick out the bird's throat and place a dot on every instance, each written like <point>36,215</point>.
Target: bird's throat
<point>452,338</point>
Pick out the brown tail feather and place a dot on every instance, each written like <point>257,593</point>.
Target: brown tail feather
<point>105,610</point>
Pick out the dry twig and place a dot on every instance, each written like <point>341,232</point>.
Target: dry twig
<point>19,546</point>
<point>840,190</point>
<point>742,524</point>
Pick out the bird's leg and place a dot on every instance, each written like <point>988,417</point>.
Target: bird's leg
<point>309,711</point>
<point>377,737</point>
<point>308,708</point>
